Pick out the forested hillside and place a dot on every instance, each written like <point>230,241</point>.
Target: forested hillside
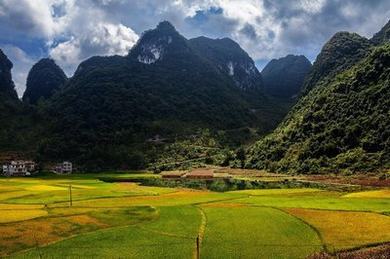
<point>114,108</point>
<point>340,125</point>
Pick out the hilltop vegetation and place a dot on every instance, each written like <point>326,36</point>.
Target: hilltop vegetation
<point>341,52</point>
<point>44,79</point>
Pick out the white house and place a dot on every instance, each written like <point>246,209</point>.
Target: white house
<point>19,168</point>
<point>63,168</point>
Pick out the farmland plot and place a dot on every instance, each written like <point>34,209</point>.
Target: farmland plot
<point>346,229</point>
<point>171,235</point>
<point>133,221</point>
<point>253,232</point>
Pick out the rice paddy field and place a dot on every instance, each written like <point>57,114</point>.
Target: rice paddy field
<point>126,220</point>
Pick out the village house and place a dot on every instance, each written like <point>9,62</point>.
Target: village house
<point>19,168</point>
<point>65,167</point>
<point>30,165</point>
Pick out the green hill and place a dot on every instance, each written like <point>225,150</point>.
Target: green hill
<point>110,112</point>
<point>340,125</point>
<point>44,79</point>
<point>341,52</point>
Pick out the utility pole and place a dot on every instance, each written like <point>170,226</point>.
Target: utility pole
<point>197,248</point>
<point>70,195</point>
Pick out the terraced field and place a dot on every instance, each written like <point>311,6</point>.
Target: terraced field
<point>131,221</point>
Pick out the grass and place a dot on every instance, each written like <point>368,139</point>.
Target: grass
<point>181,221</point>
<point>126,242</point>
<point>133,221</point>
<point>345,230</point>
<point>262,232</point>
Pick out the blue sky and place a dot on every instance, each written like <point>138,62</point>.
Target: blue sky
<point>70,31</point>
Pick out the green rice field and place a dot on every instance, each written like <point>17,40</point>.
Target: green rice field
<point>126,220</point>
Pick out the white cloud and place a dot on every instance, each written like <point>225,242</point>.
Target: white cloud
<point>298,26</point>
<point>89,31</point>
<point>73,30</point>
<point>311,6</point>
<point>32,17</point>
<point>97,39</point>
<point>67,54</point>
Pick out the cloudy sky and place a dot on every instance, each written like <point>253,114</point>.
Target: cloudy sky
<point>70,31</point>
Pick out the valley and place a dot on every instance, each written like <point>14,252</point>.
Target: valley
<point>195,129</point>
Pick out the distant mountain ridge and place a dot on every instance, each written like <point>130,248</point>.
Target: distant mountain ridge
<point>284,77</point>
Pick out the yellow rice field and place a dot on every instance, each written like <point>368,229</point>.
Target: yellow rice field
<point>19,215</point>
<point>346,229</point>
<point>370,194</point>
